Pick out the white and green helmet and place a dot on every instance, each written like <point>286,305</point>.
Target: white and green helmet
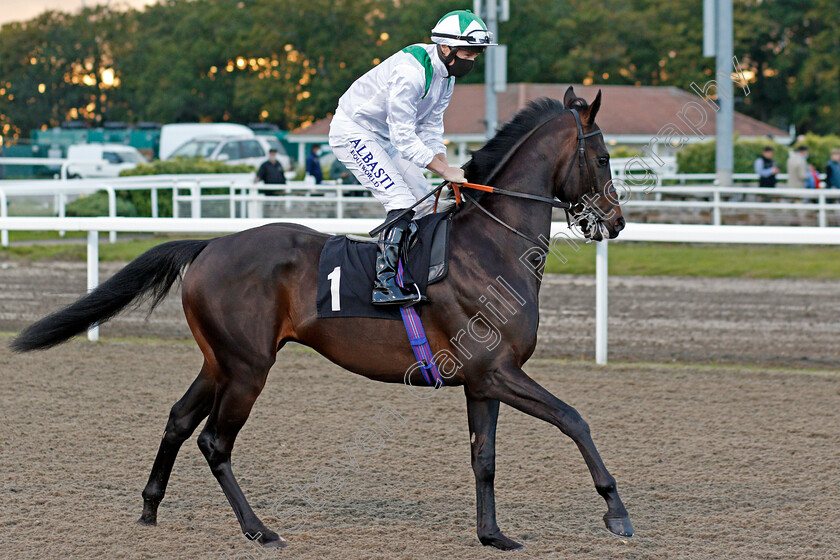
<point>462,28</point>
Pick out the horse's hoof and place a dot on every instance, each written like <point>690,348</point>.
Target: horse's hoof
<point>149,521</point>
<point>268,539</point>
<point>498,540</point>
<point>279,542</point>
<point>620,526</point>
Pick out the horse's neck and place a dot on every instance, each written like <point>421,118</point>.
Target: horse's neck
<point>502,251</point>
<point>531,217</point>
<point>531,170</point>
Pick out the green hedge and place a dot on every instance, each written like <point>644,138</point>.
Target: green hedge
<point>700,158</point>
<point>622,151</point>
<point>185,166</point>
<point>96,204</point>
<point>141,199</point>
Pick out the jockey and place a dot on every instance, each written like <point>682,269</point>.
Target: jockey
<point>389,127</point>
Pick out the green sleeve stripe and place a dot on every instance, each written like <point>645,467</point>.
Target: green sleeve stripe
<point>422,57</point>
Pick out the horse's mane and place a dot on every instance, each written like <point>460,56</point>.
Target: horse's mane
<point>484,160</point>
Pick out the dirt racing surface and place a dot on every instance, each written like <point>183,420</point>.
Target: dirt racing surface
<point>711,462</point>
<point>790,323</point>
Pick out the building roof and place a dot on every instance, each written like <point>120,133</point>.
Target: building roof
<point>625,110</point>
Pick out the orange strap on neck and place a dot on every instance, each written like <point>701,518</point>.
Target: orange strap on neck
<point>456,188</point>
<point>477,187</point>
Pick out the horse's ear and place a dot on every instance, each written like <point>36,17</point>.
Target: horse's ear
<point>569,97</point>
<point>589,117</point>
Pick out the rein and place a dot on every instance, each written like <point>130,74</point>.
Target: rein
<point>495,190</point>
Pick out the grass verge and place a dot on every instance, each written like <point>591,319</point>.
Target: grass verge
<point>684,259</point>
<point>122,251</point>
<point>626,258</point>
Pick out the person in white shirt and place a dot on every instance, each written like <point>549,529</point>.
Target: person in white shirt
<point>388,127</point>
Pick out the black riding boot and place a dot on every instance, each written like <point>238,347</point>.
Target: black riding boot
<point>386,291</point>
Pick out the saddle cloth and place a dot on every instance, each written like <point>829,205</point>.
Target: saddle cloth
<point>346,271</point>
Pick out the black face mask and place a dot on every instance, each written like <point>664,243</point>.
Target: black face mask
<point>460,68</point>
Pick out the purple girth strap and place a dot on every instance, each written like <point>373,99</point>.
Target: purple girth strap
<point>417,338</point>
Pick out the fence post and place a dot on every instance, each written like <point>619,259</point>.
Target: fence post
<point>175,201</point>
<point>93,274</point>
<point>601,277</point>
<point>62,199</point>
<point>822,218</point>
<point>4,213</point>
<point>716,207</point>
<point>339,196</point>
<point>195,200</point>
<point>154,202</point>
<point>255,209</point>
<point>112,210</point>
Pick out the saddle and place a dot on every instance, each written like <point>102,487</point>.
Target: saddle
<point>346,270</point>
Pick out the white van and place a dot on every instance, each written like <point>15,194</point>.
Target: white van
<point>101,160</point>
<point>173,136</point>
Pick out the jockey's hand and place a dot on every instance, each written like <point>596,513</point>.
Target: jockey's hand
<point>454,175</point>
<point>449,173</point>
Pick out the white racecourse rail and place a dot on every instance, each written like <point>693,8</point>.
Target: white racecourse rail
<point>243,197</point>
<point>633,232</point>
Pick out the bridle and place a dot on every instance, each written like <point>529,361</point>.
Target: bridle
<point>579,208</point>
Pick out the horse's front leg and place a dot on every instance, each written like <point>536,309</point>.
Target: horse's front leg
<point>513,387</point>
<point>482,416</point>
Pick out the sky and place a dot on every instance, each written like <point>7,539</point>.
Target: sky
<point>21,10</point>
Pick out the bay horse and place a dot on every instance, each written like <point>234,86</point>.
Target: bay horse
<point>246,295</point>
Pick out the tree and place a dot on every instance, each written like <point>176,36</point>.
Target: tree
<point>288,62</point>
<point>59,67</point>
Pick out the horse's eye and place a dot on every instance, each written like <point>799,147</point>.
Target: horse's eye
<point>603,161</point>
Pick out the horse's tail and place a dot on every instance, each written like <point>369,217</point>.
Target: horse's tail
<point>149,275</point>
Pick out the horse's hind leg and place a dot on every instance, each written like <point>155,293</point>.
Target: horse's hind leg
<point>482,416</point>
<point>513,387</point>
<point>184,418</point>
<point>230,411</point>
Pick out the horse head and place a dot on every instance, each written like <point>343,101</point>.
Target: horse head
<point>584,180</point>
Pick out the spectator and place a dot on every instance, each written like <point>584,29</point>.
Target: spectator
<point>271,172</point>
<point>832,170</point>
<point>813,179</point>
<point>340,174</point>
<point>766,168</point>
<point>313,164</point>
<point>797,168</point>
